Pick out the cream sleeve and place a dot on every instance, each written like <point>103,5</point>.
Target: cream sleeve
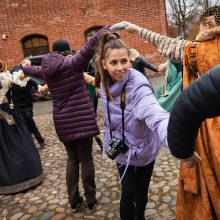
<point>169,47</point>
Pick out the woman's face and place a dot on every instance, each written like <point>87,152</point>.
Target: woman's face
<point>117,63</point>
<point>202,28</point>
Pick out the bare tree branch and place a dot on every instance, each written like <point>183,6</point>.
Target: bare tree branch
<point>183,13</point>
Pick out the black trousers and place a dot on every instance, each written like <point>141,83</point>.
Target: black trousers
<point>80,152</point>
<point>27,114</point>
<point>134,184</point>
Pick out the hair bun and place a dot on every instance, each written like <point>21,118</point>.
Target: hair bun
<point>108,36</point>
<point>113,36</point>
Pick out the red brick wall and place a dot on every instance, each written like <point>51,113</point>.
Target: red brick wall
<point>69,20</point>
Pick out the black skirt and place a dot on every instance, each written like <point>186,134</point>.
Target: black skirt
<point>20,163</point>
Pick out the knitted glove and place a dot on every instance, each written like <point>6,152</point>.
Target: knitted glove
<point>118,26</point>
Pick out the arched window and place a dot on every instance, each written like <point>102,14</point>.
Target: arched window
<point>91,31</point>
<point>35,45</point>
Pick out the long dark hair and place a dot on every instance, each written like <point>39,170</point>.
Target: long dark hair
<point>107,41</point>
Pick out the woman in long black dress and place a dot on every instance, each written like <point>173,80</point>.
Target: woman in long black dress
<point>20,164</point>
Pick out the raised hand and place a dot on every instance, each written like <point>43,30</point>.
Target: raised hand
<point>132,28</point>
<point>118,26</point>
<point>191,161</point>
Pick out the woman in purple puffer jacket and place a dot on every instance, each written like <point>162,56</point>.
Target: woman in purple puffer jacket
<point>73,113</point>
<point>136,144</point>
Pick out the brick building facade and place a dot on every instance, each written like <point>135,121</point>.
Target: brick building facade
<point>30,26</point>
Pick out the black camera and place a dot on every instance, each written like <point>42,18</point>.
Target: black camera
<point>117,147</point>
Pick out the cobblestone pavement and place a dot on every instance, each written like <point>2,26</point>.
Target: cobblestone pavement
<point>49,200</point>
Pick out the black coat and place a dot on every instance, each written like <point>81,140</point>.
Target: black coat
<point>199,101</point>
<point>140,63</point>
<point>22,96</point>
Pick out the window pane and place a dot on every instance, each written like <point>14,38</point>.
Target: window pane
<point>35,45</point>
<point>90,33</point>
<point>28,44</point>
<point>43,42</point>
<point>35,42</point>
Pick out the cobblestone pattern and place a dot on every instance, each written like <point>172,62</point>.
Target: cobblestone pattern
<point>49,200</point>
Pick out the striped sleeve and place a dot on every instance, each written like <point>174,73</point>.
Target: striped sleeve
<point>166,46</point>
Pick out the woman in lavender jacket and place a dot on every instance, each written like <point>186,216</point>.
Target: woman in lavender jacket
<point>145,123</point>
<point>73,113</point>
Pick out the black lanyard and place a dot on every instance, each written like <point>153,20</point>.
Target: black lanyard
<point>122,109</point>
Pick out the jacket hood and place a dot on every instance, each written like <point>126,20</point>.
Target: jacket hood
<point>52,64</point>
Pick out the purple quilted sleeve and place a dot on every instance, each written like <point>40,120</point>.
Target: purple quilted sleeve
<point>80,60</point>
<point>35,71</point>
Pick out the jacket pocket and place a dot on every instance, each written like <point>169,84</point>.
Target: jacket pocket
<point>141,152</point>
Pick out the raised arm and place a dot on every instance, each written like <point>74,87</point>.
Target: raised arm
<point>148,109</point>
<point>80,59</point>
<point>166,46</point>
<point>148,65</point>
<point>35,71</point>
<point>196,103</point>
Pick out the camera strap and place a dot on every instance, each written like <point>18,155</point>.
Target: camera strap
<point>122,105</point>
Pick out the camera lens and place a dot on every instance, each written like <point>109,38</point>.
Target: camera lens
<point>112,153</point>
